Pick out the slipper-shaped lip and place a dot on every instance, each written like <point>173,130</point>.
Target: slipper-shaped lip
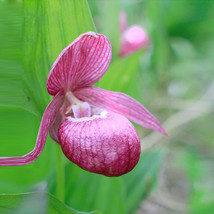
<point>105,144</point>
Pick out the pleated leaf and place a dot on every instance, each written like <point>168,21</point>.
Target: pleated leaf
<point>31,40</point>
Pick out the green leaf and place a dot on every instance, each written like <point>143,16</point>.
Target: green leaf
<point>121,72</point>
<point>88,191</point>
<point>34,203</point>
<point>197,168</point>
<point>33,37</point>
<point>202,201</point>
<point>143,178</point>
<point>161,53</point>
<point>58,24</point>
<point>18,136</point>
<point>104,194</point>
<point>11,53</point>
<point>110,23</point>
<point>111,195</point>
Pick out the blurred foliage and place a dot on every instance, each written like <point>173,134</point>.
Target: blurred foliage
<point>178,66</point>
<point>110,195</point>
<point>35,203</point>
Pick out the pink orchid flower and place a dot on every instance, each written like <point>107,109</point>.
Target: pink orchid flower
<point>132,38</point>
<point>89,123</point>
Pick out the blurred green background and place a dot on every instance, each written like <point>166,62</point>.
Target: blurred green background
<point>173,79</point>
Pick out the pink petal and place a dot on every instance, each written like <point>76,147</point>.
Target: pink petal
<point>123,21</point>
<point>82,63</point>
<point>120,103</point>
<point>106,144</point>
<point>133,39</point>
<point>47,120</point>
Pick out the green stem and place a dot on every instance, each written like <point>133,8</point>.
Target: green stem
<point>60,182</point>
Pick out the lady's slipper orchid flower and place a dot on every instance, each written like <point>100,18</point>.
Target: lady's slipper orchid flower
<point>132,38</point>
<point>90,124</point>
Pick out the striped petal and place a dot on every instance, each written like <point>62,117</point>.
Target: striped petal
<point>119,103</point>
<point>47,120</point>
<point>107,144</point>
<point>80,64</point>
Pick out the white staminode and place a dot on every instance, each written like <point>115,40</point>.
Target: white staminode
<point>102,114</point>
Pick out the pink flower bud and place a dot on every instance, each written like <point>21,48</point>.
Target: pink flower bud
<point>133,39</point>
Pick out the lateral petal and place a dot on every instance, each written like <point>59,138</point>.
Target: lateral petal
<point>120,103</point>
<point>80,64</point>
<point>47,120</point>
